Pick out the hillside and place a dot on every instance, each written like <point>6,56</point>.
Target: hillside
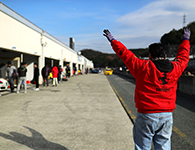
<point>102,59</point>
<point>174,36</point>
<point>170,41</point>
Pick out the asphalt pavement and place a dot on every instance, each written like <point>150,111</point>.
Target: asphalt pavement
<point>83,113</point>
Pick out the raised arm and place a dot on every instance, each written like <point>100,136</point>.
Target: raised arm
<point>131,61</point>
<point>182,57</point>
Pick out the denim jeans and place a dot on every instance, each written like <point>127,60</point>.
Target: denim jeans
<point>11,83</point>
<point>156,127</point>
<point>21,79</point>
<point>45,80</point>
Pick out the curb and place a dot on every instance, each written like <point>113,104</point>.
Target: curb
<point>128,111</point>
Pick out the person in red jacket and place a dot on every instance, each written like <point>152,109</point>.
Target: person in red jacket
<point>155,92</point>
<point>55,75</point>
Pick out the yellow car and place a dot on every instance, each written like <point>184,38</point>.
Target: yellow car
<point>108,71</point>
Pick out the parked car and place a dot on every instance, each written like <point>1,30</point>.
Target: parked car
<point>3,84</point>
<point>95,71</point>
<point>108,71</point>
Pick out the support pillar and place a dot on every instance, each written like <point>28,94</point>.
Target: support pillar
<point>40,66</point>
<point>21,58</point>
<point>71,68</point>
<point>52,63</point>
<point>62,60</point>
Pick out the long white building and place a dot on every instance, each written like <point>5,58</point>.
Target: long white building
<point>23,41</point>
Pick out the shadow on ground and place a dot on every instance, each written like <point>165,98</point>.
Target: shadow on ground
<point>36,141</point>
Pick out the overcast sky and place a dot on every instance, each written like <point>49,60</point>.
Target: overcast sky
<point>136,23</point>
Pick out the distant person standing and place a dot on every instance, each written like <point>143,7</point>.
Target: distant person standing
<point>62,72</point>
<point>75,71</point>
<point>86,71</point>
<point>59,73</point>
<point>54,71</point>
<point>22,77</point>
<point>67,71</point>
<point>36,76</point>
<point>45,73</point>
<point>10,74</point>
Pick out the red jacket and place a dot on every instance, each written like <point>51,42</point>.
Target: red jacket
<point>55,72</point>
<point>155,91</point>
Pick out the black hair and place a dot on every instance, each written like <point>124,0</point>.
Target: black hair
<point>156,50</point>
<point>9,62</point>
<point>23,63</point>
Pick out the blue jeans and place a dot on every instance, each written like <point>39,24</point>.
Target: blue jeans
<point>156,127</point>
<point>11,83</point>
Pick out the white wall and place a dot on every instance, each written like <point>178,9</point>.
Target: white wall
<point>16,36</point>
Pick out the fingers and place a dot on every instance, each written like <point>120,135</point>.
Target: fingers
<point>186,30</point>
<point>106,31</point>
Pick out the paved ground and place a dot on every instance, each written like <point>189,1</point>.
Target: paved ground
<point>81,114</point>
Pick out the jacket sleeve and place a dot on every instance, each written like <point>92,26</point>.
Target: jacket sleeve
<point>15,70</point>
<point>134,64</point>
<point>182,57</point>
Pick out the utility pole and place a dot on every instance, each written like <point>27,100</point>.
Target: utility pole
<point>184,20</point>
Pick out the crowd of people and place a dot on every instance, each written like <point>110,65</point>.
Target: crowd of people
<point>56,74</point>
